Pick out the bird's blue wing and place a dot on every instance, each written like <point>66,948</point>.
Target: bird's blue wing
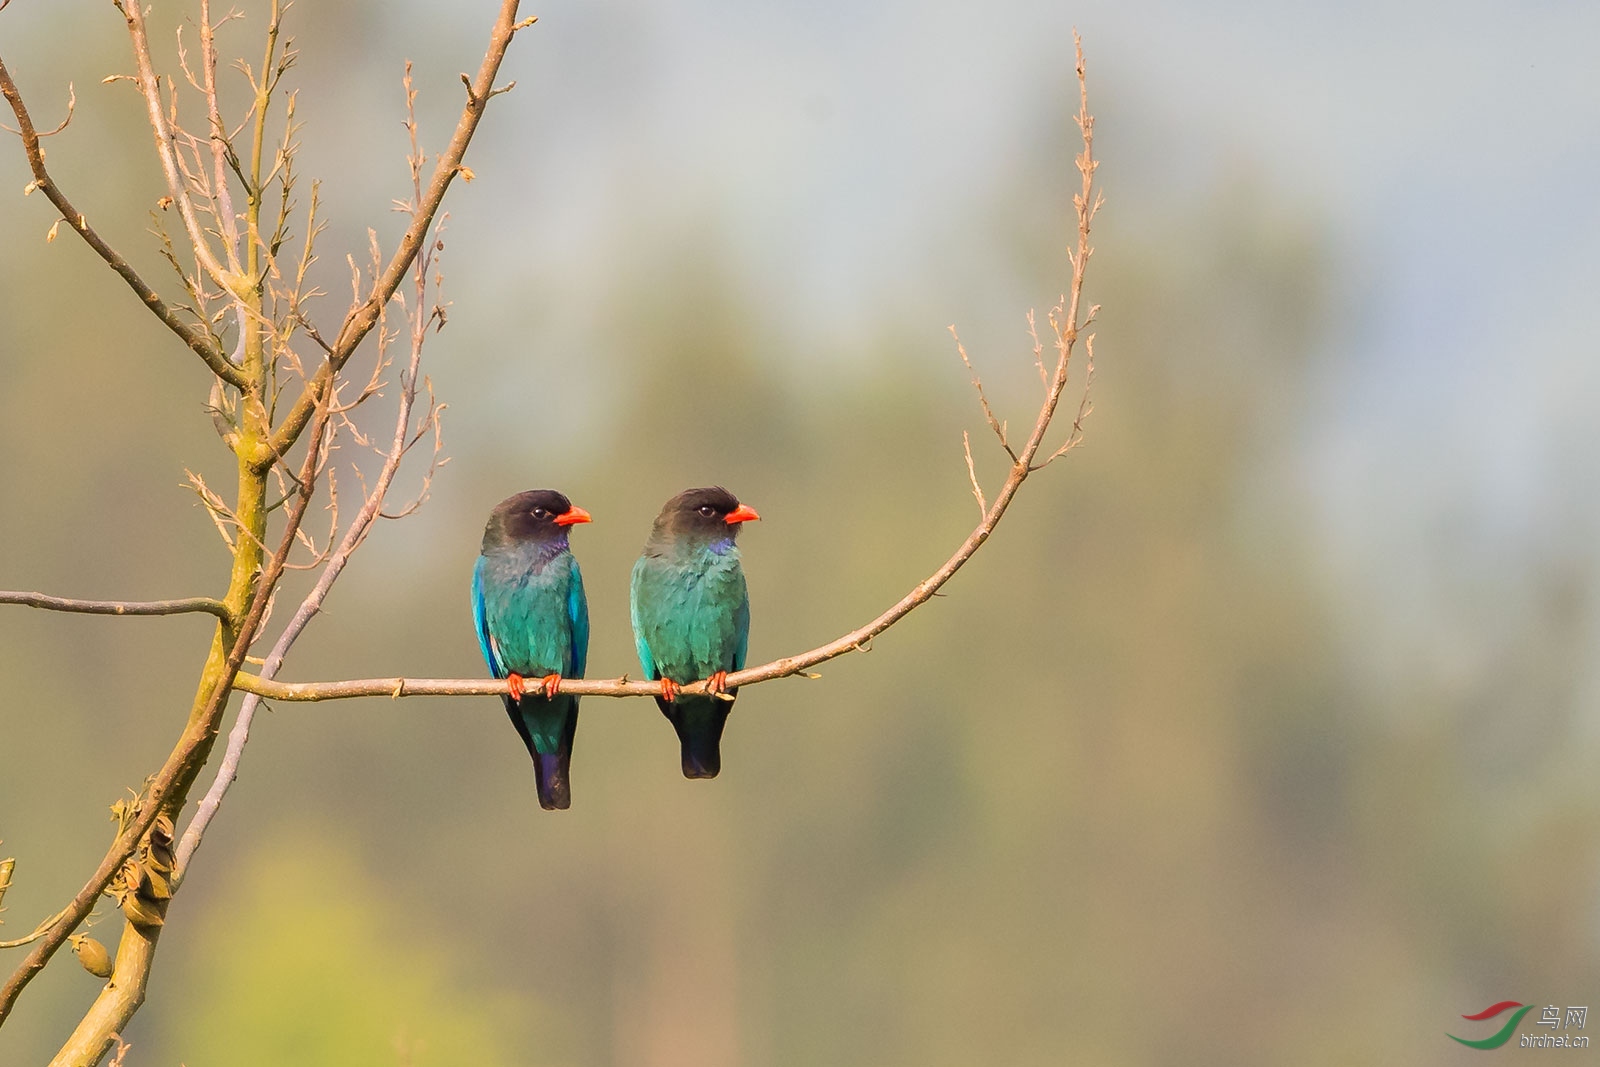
<point>578,617</point>
<point>647,662</point>
<point>741,631</point>
<point>480,619</point>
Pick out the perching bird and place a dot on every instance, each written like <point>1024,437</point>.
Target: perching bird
<point>691,616</point>
<point>533,622</point>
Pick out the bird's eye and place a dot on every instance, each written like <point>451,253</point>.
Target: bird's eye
<point>707,510</point>
<point>540,513</point>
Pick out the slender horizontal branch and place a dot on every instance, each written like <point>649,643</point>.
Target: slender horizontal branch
<point>187,605</point>
<point>196,339</point>
<point>271,689</point>
<point>855,641</point>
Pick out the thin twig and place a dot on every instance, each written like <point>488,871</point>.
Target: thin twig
<point>162,125</point>
<point>988,412</point>
<point>1085,407</point>
<point>38,932</point>
<point>361,320</point>
<point>972,475</point>
<point>221,148</point>
<point>1038,350</point>
<point>182,606</point>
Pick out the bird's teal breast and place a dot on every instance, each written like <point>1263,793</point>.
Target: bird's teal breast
<point>688,612</point>
<point>525,604</point>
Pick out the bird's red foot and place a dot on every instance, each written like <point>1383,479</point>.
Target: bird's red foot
<point>669,690</point>
<point>550,685</point>
<point>717,684</point>
<point>515,684</point>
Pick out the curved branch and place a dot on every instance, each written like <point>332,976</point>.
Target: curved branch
<point>1066,326</point>
<point>854,641</point>
<point>187,605</point>
<point>196,339</point>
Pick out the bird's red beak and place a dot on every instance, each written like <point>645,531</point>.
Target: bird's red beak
<point>576,515</point>
<point>742,513</point>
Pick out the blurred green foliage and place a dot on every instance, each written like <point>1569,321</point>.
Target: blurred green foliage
<point>335,973</point>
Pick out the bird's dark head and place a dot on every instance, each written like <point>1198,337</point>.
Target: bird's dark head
<point>539,515</point>
<point>702,516</point>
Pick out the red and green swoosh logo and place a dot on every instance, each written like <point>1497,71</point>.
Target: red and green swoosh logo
<point>1505,1032</point>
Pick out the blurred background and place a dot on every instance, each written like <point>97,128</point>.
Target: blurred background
<point>1263,731</point>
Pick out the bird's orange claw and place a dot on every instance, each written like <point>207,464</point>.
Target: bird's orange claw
<point>717,684</point>
<point>514,683</point>
<point>550,684</point>
<point>669,690</point>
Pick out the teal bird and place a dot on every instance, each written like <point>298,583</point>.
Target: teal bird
<point>533,622</point>
<point>691,616</point>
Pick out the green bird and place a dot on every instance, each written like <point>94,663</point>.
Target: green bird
<point>533,622</point>
<point>691,616</point>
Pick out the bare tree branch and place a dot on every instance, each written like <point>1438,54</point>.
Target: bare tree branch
<point>178,185</point>
<point>221,148</point>
<point>972,475</point>
<point>371,510</point>
<point>38,931</point>
<point>119,607</point>
<point>1085,406</point>
<point>361,320</point>
<point>1066,326</point>
<point>248,280</point>
<point>6,867</point>
<point>196,339</point>
<point>988,412</point>
<point>180,763</point>
<point>318,409</point>
<point>117,1003</point>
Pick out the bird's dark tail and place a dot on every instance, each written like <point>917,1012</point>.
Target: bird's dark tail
<point>547,725</point>
<point>699,724</point>
<point>550,775</point>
